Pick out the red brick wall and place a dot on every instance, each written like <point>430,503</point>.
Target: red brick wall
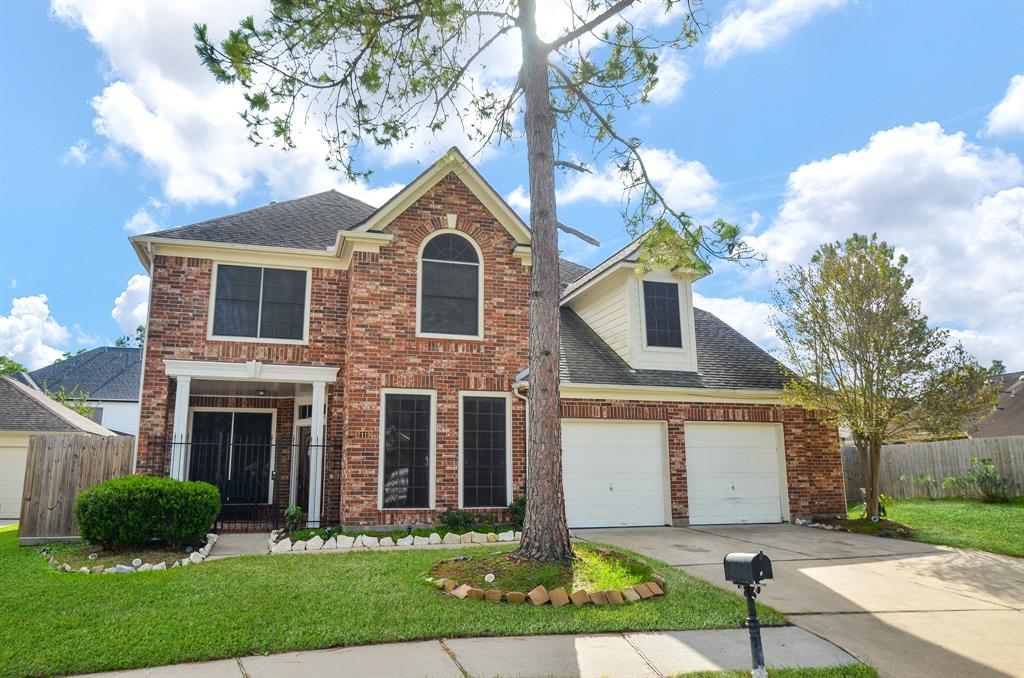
<point>814,471</point>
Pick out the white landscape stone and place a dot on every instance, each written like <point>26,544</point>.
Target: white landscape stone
<point>211,538</point>
<point>434,538</point>
<point>387,541</point>
<point>145,567</point>
<point>160,566</point>
<point>345,542</point>
<point>331,543</point>
<point>282,546</point>
<point>451,538</point>
<point>467,538</point>
<point>205,551</point>
<point>315,544</point>
<point>123,568</point>
<point>84,570</point>
<point>478,538</point>
<point>368,541</point>
<point>518,536</point>
<point>507,536</point>
<point>299,545</point>
<point>420,541</point>
<point>195,557</point>
<point>405,541</point>
<point>185,562</point>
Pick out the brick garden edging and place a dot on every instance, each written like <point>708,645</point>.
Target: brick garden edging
<point>192,557</point>
<point>558,597</point>
<point>342,542</point>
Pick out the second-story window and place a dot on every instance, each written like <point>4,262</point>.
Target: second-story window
<point>259,303</point>
<point>661,314</point>
<point>449,287</point>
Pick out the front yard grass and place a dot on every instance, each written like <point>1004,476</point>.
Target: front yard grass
<point>963,523</point>
<point>70,623</point>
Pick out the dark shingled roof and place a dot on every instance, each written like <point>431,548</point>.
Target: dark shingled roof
<point>725,359</point>
<point>569,271</point>
<point>1008,417</point>
<point>309,223</point>
<point>106,373</point>
<point>25,409</point>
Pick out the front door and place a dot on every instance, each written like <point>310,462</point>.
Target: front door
<point>234,451</point>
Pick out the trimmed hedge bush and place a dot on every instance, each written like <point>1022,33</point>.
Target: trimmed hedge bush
<point>135,510</point>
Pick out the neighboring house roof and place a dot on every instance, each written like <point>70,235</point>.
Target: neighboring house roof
<point>106,373</point>
<point>25,409</point>
<point>1007,419</point>
<point>312,222</point>
<point>725,359</point>
<point>569,271</point>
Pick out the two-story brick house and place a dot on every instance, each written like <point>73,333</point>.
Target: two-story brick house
<point>369,365</point>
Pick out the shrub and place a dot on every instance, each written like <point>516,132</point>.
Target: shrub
<point>517,510</point>
<point>982,479</point>
<point>923,481</point>
<point>135,510</point>
<point>463,521</point>
<point>293,518</point>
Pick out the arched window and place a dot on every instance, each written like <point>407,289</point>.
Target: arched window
<point>450,287</point>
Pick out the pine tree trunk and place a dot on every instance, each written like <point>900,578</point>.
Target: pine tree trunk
<point>545,534</point>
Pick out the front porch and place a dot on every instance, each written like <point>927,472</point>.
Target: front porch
<point>259,433</point>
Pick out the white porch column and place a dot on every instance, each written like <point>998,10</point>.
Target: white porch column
<point>316,456</point>
<point>179,435</point>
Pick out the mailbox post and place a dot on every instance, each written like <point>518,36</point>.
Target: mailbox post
<point>748,570</point>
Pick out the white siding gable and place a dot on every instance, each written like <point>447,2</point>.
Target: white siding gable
<point>604,308</point>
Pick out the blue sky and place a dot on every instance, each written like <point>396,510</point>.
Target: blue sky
<point>800,121</point>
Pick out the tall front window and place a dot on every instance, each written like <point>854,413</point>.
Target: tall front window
<point>450,287</point>
<point>661,313</point>
<point>484,451</point>
<point>406,434</point>
<point>263,303</point>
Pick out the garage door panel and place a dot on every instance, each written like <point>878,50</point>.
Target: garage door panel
<point>12,476</point>
<point>613,473</point>
<point>733,473</point>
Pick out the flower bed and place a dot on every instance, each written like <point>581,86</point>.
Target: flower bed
<point>165,559</point>
<point>279,543</point>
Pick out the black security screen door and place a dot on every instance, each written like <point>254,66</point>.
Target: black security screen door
<point>484,452</point>
<point>233,450</point>
<point>661,312</point>
<point>406,451</point>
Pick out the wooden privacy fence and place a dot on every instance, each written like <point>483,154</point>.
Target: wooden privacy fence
<point>59,467</point>
<point>939,459</point>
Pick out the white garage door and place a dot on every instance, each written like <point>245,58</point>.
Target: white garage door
<point>614,473</point>
<point>13,453</point>
<point>733,473</point>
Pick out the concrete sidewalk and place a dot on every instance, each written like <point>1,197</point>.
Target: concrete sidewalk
<point>629,655</point>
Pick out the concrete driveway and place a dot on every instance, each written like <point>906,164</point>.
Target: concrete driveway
<point>907,609</point>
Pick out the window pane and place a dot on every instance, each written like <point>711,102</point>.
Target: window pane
<point>449,303</point>
<point>284,302</point>
<point>450,247</point>
<point>661,311</point>
<point>406,451</point>
<point>236,308</point>
<point>484,451</point>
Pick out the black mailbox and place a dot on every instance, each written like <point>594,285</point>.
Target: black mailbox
<point>747,569</point>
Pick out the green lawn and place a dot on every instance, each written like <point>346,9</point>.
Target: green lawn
<point>69,623</point>
<point>963,523</point>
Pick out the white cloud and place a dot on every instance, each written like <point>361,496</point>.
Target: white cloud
<point>132,305</point>
<point>141,222</point>
<point>955,209</point>
<point>162,105</point>
<point>673,73</point>
<point>760,24</point>
<point>749,318</point>
<point>519,199</point>
<point>1008,115</point>
<point>29,334</point>
<point>686,184</point>
<point>77,153</point>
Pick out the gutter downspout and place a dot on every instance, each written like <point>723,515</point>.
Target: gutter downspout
<point>519,389</point>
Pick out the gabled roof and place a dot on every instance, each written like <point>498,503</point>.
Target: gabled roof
<point>569,271</point>
<point>28,410</point>
<point>1007,419</point>
<point>106,373</point>
<point>725,359</point>
<point>311,222</point>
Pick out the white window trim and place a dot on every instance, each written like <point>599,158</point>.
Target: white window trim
<point>479,294</point>
<point>210,336</point>
<point>384,392</point>
<point>508,442</point>
<point>257,410</point>
<point>643,316</point>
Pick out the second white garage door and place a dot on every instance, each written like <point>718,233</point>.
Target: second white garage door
<point>13,453</point>
<point>614,473</point>
<point>734,473</point>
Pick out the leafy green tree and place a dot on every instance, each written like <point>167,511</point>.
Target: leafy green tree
<point>11,367</point>
<point>123,341</point>
<point>68,354</point>
<point>138,341</point>
<point>74,399</point>
<point>378,71</point>
<point>862,351</point>
<point>140,336</point>
<point>997,368</point>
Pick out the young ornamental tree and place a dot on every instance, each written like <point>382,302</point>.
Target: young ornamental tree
<point>379,71</point>
<point>862,350</point>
